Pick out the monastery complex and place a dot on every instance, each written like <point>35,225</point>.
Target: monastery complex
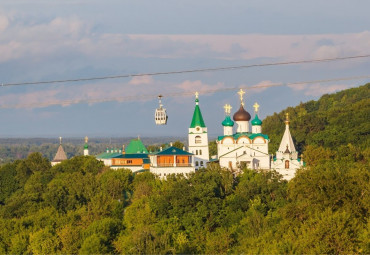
<point>242,144</point>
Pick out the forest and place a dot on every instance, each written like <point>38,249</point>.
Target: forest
<point>82,207</point>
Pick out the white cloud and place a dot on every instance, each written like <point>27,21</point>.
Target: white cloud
<point>261,86</point>
<point>319,89</point>
<point>188,88</point>
<point>113,91</point>
<point>140,80</point>
<point>4,22</point>
<point>73,35</point>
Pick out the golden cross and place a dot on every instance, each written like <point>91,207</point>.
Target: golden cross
<point>86,139</point>
<point>241,93</point>
<point>287,116</point>
<point>256,106</point>
<point>196,94</point>
<point>227,108</point>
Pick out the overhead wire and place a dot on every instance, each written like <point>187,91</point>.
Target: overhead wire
<point>178,94</point>
<point>188,71</point>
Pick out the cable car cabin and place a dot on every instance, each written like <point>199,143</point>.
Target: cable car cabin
<point>161,116</point>
<point>160,113</point>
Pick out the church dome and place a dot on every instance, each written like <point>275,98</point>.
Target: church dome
<point>228,122</point>
<point>241,115</point>
<point>256,121</point>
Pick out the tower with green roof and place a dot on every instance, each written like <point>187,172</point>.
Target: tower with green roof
<point>256,122</point>
<point>86,147</point>
<point>198,137</point>
<point>228,123</point>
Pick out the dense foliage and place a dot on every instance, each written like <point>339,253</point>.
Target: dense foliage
<point>333,120</point>
<point>80,206</point>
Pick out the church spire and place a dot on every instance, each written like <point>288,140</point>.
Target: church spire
<point>60,155</point>
<point>197,120</point>
<point>287,144</point>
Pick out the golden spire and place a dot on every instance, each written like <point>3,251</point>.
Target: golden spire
<point>287,118</point>
<point>241,93</point>
<point>256,106</point>
<point>86,139</point>
<point>227,108</point>
<point>60,140</point>
<point>196,94</point>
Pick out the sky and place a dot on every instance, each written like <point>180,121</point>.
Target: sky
<point>43,40</point>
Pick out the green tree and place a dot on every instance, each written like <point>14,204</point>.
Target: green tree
<point>44,241</point>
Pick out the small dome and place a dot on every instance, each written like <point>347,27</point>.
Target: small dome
<point>256,121</point>
<point>241,115</point>
<point>228,122</point>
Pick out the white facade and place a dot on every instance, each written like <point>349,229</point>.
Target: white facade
<point>198,145</point>
<point>286,161</point>
<point>198,138</point>
<point>132,168</point>
<point>236,151</point>
<point>242,126</point>
<point>163,172</point>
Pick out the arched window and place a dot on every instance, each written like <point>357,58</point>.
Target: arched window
<point>286,164</point>
<point>200,152</point>
<point>196,152</point>
<point>198,139</point>
<point>196,163</point>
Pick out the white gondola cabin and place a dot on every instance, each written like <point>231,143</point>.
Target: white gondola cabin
<point>160,113</point>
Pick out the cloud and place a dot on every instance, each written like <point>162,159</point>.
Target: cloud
<point>261,86</point>
<point>139,80</point>
<point>91,94</point>
<point>4,23</point>
<point>72,35</point>
<point>188,88</point>
<point>319,89</point>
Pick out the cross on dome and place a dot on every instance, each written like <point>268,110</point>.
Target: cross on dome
<point>241,93</point>
<point>86,139</point>
<point>256,106</point>
<point>196,94</point>
<point>227,108</point>
<point>287,118</point>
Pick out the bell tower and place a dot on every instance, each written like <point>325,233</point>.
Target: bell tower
<point>198,137</point>
<point>86,147</point>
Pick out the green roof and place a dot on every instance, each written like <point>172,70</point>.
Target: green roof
<point>250,135</point>
<point>107,155</point>
<point>228,122</point>
<point>136,146</point>
<point>137,155</point>
<point>86,146</point>
<point>197,117</point>
<point>256,121</point>
<point>173,151</point>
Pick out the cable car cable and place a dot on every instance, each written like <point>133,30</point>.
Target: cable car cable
<point>178,94</point>
<point>188,71</point>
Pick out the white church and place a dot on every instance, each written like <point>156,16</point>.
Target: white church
<point>249,147</point>
<point>236,148</point>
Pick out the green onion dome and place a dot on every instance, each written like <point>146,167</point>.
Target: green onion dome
<point>86,146</point>
<point>256,121</point>
<point>228,122</point>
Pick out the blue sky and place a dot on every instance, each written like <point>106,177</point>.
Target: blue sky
<point>48,40</point>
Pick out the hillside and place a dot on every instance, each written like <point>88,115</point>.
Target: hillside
<point>333,120</point>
